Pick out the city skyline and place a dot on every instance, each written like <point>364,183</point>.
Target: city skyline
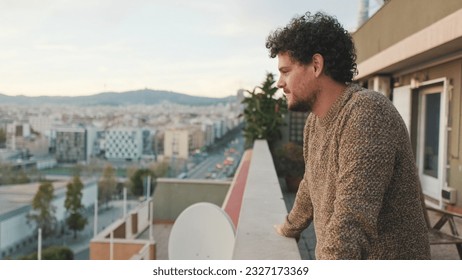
<point>200,48</point>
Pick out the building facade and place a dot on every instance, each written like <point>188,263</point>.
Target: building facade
<point>177,143</point>
<point>71,144</point>
<point>124,144</point>
<point>418,64</point>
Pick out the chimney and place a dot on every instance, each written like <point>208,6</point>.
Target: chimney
<point>363,14</point>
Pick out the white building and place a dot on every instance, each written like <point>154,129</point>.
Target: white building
<point>41,124</point>
<point>92,141</point>
<point>219,128</point>
<point>124,143</point>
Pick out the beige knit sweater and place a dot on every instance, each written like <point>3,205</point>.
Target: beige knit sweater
<point>361,186</point>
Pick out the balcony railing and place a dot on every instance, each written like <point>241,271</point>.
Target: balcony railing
<point>125,238</point>
<point>262,207</point>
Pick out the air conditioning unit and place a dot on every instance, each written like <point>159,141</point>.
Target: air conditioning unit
<point>449,195</point>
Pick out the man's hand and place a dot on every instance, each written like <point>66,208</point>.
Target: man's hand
<point>278,229</point>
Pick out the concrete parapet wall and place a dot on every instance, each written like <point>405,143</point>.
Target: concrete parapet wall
<point>172,196</point>
<point>263,207</point>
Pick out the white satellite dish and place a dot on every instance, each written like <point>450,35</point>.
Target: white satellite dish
<point>202,231</point>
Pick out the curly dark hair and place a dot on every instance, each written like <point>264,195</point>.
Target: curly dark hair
<point>309,34</point>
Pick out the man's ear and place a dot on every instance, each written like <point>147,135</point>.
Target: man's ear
<point>318,64</point>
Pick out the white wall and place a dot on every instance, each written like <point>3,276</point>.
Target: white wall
<point>15,229</point>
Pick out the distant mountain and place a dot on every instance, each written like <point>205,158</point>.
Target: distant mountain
<point>145,96</point>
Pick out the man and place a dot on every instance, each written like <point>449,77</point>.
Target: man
<point>361,187</point>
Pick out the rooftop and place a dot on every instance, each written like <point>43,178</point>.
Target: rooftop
<point>14,197</point>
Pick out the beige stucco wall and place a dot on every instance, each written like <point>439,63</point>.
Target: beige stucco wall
<point>392,23</point>
<point>172,196</point>
<point>181,140</point>
<point>421,40</point>
<point>453,72</point>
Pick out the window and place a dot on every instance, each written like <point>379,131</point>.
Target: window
<point>296,125</point>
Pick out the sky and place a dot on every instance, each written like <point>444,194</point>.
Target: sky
<point>197,47</point>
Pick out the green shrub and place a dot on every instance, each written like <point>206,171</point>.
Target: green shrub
<point>53,253</point>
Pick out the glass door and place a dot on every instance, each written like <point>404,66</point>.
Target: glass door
<point>431,141</point>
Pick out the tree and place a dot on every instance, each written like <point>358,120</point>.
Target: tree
<point>6,174</point>
<point>160,169</point>
<point>264,113</point>
<point>138,181</point>
<point>107,184</point>
<point>76,219</point>
<point>43,211</point>
<point>2,138</point>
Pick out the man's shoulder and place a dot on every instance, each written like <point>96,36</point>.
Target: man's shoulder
<point>369,108</point>
<point>365,95</point>
<point>373,100</point>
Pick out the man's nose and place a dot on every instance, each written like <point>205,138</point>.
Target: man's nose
<point>280,83</point>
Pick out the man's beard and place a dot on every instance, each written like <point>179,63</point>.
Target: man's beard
<point>304,105</point>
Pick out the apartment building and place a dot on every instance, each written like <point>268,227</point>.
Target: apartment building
<point>209,133</point>
<point>219,128</point>
<point>149,142</point>
<point>197,138</point>
<point>41,124</point>
<point>411,51</point>
<point>177,143</point>
<point>71,144</point>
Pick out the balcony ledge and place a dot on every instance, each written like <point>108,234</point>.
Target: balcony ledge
<point>262,207</point>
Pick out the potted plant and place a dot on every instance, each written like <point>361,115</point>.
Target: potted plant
<point>264,113</point>
<point>290,164</point>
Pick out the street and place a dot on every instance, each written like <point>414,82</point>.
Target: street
<point>213,166</point>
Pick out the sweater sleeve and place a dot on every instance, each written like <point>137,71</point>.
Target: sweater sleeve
<point>301,214</point>
<point>365,167</point>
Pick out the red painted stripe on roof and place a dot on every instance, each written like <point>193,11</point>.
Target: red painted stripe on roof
<point>236,191</point>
